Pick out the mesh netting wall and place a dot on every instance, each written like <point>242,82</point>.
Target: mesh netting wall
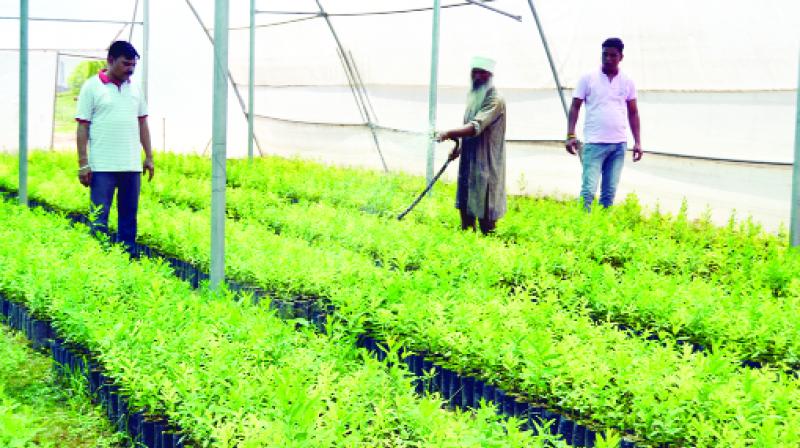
<point>716,79</point>
<point>704,88</point>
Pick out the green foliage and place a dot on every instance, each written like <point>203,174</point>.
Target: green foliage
<point>35,410</point>
<point>82,72</point>
<point>679,286</point>
<point>229,373</point>
<point>66,106</point>
<point>536,308</point>
<point>17,423</point>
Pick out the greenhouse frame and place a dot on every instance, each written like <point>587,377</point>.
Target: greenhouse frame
<point>309,314</point>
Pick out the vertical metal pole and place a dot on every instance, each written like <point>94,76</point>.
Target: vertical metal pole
<point>23,102</point>
<point>55,101</point>
<point>550,59</point>
<point>145,46</point>
<point>219,138</point>
<point>230,78</point>
<point>433,89</point>
<point>795,226</point>
<point>251,87</point>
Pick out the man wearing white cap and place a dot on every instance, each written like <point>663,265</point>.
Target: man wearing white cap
<point>481,190</point>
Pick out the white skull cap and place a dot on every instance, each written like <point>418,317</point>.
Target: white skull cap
<point>483,63</point>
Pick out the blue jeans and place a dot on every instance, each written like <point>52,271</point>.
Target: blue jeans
<point>604,159</point>
<point>127,184</point>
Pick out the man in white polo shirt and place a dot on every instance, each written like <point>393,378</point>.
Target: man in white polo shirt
<point>112,120</point>
<point>610,99</point>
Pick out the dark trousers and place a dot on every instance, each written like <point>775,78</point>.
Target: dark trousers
<point>468,222</point>
<point>127,185</point>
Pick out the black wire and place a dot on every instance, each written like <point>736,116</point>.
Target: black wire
<point>314,15</point>
<point>85,56</point>
<point>267,25</point>
<point>73,20</point>
<point>648,152</point>
<point>399,11</point>
<point>372,13</point>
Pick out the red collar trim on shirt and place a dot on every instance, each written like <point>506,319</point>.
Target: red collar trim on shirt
<point>105,79</point>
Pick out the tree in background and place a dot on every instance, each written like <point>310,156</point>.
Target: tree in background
<point>82,72</point>
<point>66,100</point>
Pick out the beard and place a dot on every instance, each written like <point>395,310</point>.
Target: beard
<point>476,96</point>
<point>477,83</point>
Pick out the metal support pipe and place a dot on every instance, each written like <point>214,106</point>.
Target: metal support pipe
<point>219,136</point>
<point>119,33</point>
<point>55,19</point>
<point>795,226</point>
<point>55,101</point>
<point>23,102</point>
<point>228,72</point>
<point>64,51</point>
<point>350,73</point>
<point>361,85</point>
<point>130,26</point>
<point>145,46</point>
<point>135,10</point>
<point>550,59</point>
<point>251,84</point>
<point>433,90</point>
<point>356,88</point>
<point>351,76</point>
<point>492,8</point>
<point>351,82</point>
<point>367,106</point>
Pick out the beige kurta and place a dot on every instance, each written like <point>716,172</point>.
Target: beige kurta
<point>482,167</point>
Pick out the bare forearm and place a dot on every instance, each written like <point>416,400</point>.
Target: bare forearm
<point>574,111</point>
<point>573,120</point>
<point>144,138</point>
<point>467,130</point>
<point>633,120</point>
<point>83,140</point>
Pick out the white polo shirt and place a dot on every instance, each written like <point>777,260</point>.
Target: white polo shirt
<point>606,106</point>
<point>113,113</point>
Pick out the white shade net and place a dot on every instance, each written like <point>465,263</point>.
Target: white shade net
<point>716,79</point>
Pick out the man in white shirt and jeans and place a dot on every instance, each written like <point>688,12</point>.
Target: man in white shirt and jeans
<point>610,99</point>
<point>112,120</point>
